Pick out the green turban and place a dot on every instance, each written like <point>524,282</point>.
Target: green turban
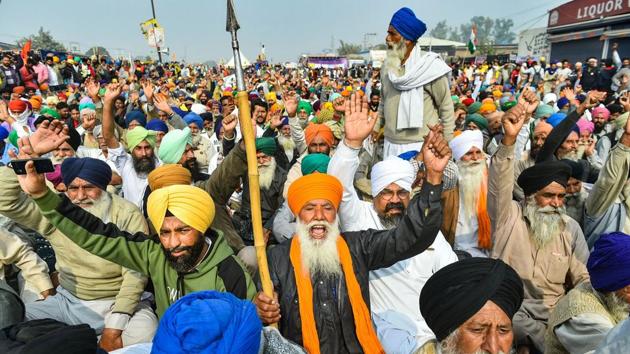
<point>13,138</point>
<point>479,120</point>
<point>265,145</point>
<point>507,105</point>
<point>137,135</point>
<point>315,162</point>
<point>620,122</point>
<point>543,111</point>
<point>455,99</point>
<point>174,144</point>
<point>474,107</point>
<point>46,111</point>
<point>305,105</point>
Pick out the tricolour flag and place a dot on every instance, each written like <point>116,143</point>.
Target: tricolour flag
<point>472,42</point>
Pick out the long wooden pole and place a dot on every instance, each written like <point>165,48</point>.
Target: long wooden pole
<point>245,121</point>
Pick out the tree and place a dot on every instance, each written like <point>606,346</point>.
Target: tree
<point>440,30</point>
<point>348,48</point>
<point>503,31</point>
<point>97,51</point>
<point>42,40</point>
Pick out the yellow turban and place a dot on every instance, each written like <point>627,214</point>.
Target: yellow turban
<point>311,187</point>
<point>192,205</point>
<point>168,175</point>
<point>271,96</point>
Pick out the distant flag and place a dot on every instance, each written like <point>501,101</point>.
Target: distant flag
<point>25,49</point>
<point>472,42</point>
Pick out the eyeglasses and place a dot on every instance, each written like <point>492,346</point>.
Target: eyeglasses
<point>387,194</point>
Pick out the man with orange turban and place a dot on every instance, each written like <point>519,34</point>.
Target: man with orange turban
<point>321,275</point>
<point>316,138</point>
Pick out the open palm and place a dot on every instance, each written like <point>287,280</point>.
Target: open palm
<point>358,124</point>
<point>48,137</point>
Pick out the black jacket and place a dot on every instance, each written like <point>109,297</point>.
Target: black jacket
<point>370,250</point>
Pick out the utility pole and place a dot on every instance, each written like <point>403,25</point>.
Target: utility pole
<point>156,45</point>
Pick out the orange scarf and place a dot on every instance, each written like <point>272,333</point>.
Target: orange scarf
<point>363,324</point>
<point>483,219</point>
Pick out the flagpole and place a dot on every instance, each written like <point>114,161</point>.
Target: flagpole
<point>245,122</point>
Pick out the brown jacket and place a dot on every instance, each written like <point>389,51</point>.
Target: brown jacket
<point>547,273</point>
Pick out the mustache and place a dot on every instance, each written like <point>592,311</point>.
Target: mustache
<point>178,249</point>
<point>394,206</point>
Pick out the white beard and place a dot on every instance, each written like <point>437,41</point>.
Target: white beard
<point>100,207</point>
<point>471,176</point>
<point>287,143</point>
<point>319,256</point>
<point>615,305</point>
<point>573,156</point>
<point>21,118</point>
<point>266,173</point>
<point>545,223</point>
<point>395,57</point>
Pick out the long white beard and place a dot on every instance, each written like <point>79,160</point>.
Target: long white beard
<point>266,173</point>
<point>287,143</point>
<point>100,207</point>
<point>395,57</point>
<point>319,256</point>
<point>471,175</point>
<point>545,223</point>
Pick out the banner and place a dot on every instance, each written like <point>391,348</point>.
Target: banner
<point>153,33</point>
<point>534,43</point>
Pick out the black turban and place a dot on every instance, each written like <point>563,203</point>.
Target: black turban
<point>540,175</point>
<point>458,291</point>
<point>74,138</point>
<point>92,170</point>
<point>207,116</point>
<point>582,170</point>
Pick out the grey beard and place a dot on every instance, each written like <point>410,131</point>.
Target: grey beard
<point>573,156</point>
<point>101,207</point>
<point>394,58</point>
<point>545,224</point>
<point>143,165</point>
<point>266,174</point>
<point>390,222</point>
<point>287,143</point>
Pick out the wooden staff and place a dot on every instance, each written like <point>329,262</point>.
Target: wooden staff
<point>245,121</point>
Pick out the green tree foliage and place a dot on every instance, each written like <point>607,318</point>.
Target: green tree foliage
<point>42,40</point>
<point>441,30</point>
<point>348,48</point>
<point>97,51</point>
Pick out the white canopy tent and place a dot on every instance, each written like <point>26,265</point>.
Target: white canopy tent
<point>244,61</point>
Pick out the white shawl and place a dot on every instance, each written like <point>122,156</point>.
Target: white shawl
<point>420,69</point>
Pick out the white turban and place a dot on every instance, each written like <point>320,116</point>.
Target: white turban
<point>462,143</point>
<point>198,108</point>
<point>550,97</point>
<point>392,170</point>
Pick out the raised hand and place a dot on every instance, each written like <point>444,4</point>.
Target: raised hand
<point>436,154</point>
<point>48,137</point>
<point>513,121</point>
<point>529,100</point>
<point>340,104</point>
<point>592,99</point>
<point>624,101</point>
<point>147,87</point>
<point>229,125</point>
<point>568,93</point>
<point>113,90</point>
<point>275,118</point>
<point>161,103</point>
<point>89,121</point>
<point>92,88</point>
<point>32,183</point>
<point>290,101</point>
<point>358,124</point>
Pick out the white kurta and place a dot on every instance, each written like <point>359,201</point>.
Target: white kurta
<point>394,291</point>
<point>134,184</point>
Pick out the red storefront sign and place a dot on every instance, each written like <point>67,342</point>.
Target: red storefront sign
<point>585,10</point>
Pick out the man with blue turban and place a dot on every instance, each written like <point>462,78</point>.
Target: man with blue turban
<point>91,290</point>
<point>407,75</point>
<point>582,319</point>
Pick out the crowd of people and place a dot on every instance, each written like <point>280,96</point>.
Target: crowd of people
<point>419,207</point>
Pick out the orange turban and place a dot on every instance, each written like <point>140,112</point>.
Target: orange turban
<point>168,175</point>
<point>487,107</point>
<point>43,87</point>
<point>314,130</point>
<point>18,89</point>
<point>311,187</point>
<point>36,102</point>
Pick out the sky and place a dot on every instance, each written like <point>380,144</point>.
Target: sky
<point>195,29</point>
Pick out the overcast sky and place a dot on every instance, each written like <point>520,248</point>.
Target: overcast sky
<point>195,29</point>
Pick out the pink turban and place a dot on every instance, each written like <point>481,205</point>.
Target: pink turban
<point>585,125</point>
<point>601,110</point>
